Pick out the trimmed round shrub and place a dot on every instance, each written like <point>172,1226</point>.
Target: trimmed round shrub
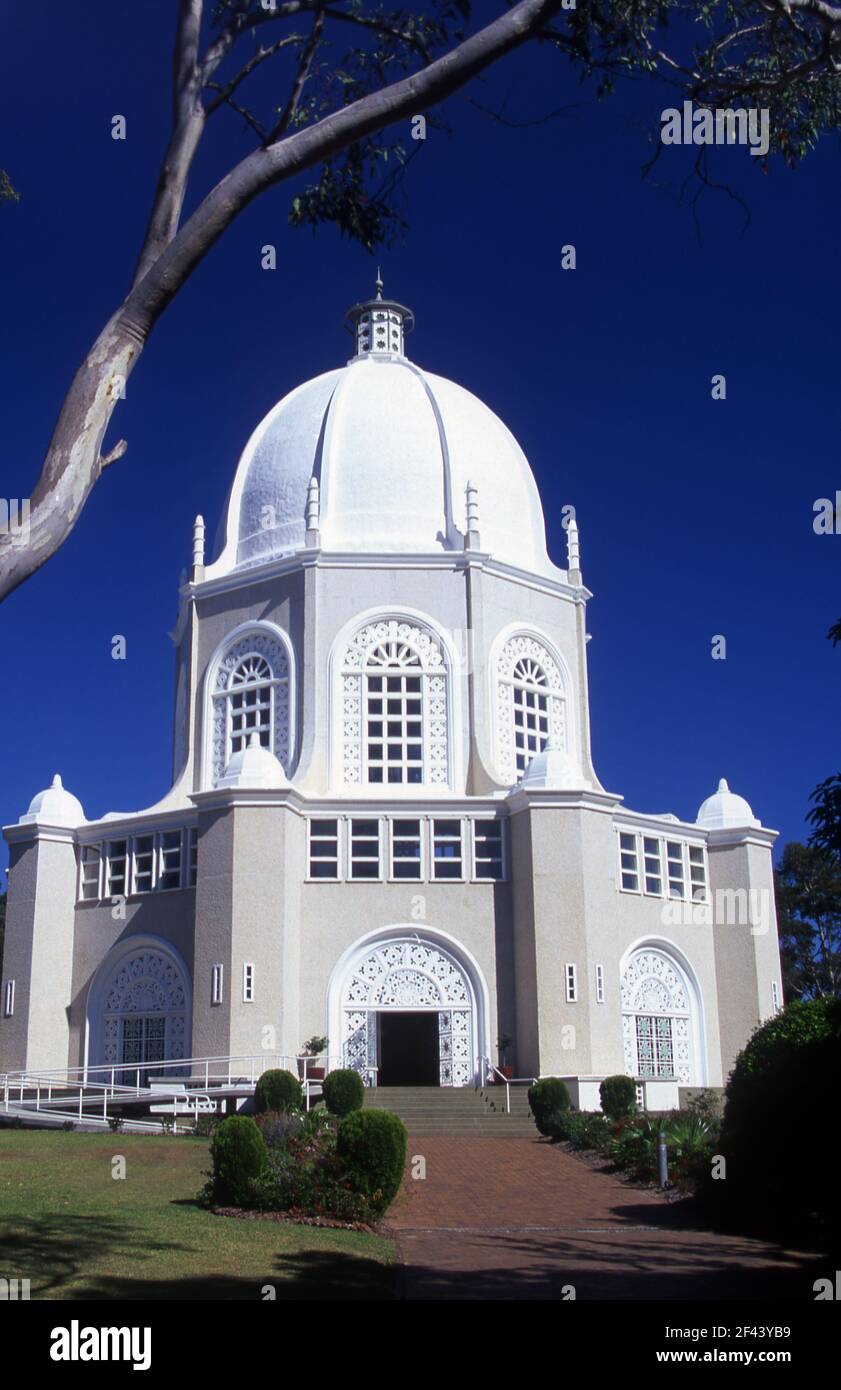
<point>278,1090</point>
<point>618,1096</point>
<point>780,1162</point>
<point>238,1155</point>
<point>548,1098</point>
<point>371,1145</point>
<point>343,1091</point>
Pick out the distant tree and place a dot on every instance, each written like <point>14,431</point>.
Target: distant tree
<point>334,77</point>
<point>808,887</point>
<point>7,192</point>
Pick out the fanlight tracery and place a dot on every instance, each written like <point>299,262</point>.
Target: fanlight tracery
<point>251,696</point>
<point>657,1024</point>
<point>145,1010</point>
<point>530,705</point>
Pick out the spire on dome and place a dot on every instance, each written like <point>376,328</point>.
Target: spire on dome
<point>380,325</point>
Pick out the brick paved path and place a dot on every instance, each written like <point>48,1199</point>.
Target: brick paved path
<point>520,1219</point>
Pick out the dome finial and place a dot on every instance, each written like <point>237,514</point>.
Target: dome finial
<point>380,325</point>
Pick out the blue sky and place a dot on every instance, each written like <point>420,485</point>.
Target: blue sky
<point>695,515</point>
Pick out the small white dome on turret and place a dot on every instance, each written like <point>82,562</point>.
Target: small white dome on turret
<point>54,806</point>
<point>725,808</point>
<point>254,767</point>
<point>552,769</point>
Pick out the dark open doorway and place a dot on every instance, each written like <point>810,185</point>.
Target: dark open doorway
<point>408,1049</point>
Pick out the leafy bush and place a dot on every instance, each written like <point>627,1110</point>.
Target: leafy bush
<point>278,1090</point>
<point>618,1096</point>
<point>548,1099</point>
<point>309,1179</point>
<point>371,1145</point>
<point>278,1126</point>
<point>581,1129</point>
<point>789,1066</point>
<point>238,1155</point>
<point>633,1144</point>
<point>343,1091</point>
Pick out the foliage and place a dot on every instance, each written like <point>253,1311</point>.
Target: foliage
<point>343,1091</point>
<point>8,194</point>
<point>238,1156</point>
<point>315,1046</point>
<point>279,1126</point>
<point>548,1098</point>
<point>205,1125</point>
<point>582,1129</point>
<point>278,1090</point>
<point>789,1066</point>
<point>808,892</point>
<point>618,1096</point>
<point>825,816</point>
<point>372,1147</point>
<point>306,1176</point>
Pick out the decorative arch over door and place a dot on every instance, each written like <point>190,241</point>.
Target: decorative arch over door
<point>661,1024</point>
<point>140,1008</point>
<point>404,972</point>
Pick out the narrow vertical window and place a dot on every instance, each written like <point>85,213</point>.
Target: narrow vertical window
<point>116,868</point>
<point>572,983</point>
<point>487,849</point>
<point>406,859</point>
<point>674,869</point>
<point>628,863</point>
<point>775,996</point>
<point>248,983</point>
<point>599,984</point>
<point>324,849</point>
<point>192,857</point>
<point>446,849</point>
<point>698,873</point>
<point>144,859</point>
<point>9,1003</point>
<point>89,876</point>
<point>653,865</point>
<point>365,849</point>
<point>169,867</point>
<point>217,984</point>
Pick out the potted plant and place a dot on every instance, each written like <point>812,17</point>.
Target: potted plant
<point>503,1042</point>
<point>314,1048</point>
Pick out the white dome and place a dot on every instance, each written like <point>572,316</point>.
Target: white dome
<point>54,806</point>
<point>725,808</point>
<point>254,767</point>
<point>393,449</point>
<point>551,769</point>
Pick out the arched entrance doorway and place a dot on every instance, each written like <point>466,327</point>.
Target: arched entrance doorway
<point>139,1007</point>
<point>409,1010</point>
<point>661,1025</point>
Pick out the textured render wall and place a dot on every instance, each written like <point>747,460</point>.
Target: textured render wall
<point>314,604</point>
<point>335,915</point>
<point>39,950</point>
<point>214,912</point>
<point>17,954</point>
<point>168,915</point>
<point>617,921</point>
<point>747,962</point>
<point>268,860</point>
<point>568,910</point>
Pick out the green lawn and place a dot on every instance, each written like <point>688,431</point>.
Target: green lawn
<point>77,1232</point>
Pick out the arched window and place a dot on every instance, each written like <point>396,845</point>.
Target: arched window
<point>251,695</point>
<point>395,706</point>
<point>139,1009</point>
<point>658,1026</point>
<point>530,704</point>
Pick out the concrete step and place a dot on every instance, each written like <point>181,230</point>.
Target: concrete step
<point>456,1111</point>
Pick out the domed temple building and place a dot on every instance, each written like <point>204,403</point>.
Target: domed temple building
<point>385,825</point>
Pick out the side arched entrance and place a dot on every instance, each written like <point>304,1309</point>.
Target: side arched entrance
<point>409,1008</point>
<point>139,1006</point>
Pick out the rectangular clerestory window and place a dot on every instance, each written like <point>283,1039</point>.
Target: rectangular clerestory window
<point>653,866</point>
<point>169,859</point>
<point>628,862</point>
<point>364,849</point>
<point>116,868</point>
<point>488,849</point>
<point>675,869</point>
<point>446,849</point>
<point>192,857</point>
<point>406,849</point>
<point>698,873</point>
<point>89,870</point>
<point>324,849</point>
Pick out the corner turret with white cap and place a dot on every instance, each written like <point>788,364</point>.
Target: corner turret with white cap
<point>724,809</point>
<point>54,806</point>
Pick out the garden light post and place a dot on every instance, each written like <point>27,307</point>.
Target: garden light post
<point>662,1160</point>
